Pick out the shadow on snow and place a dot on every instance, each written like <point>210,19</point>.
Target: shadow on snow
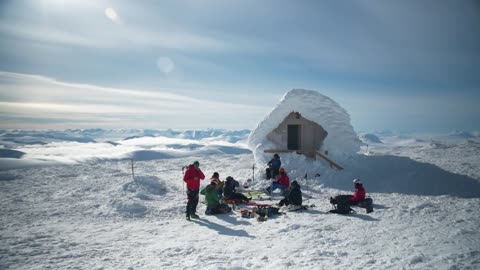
<point>221,229</point>
<point>393,174</point>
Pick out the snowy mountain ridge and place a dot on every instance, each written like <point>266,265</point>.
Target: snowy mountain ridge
<point>12,138</point>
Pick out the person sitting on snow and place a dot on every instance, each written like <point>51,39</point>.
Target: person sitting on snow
<point>213,199</point>
<point>358,194</point>
<point>293,196</point>
<point>344,202</point>
<point>216,177</point>
<point>282,182</point>
<point>230,193</point>
<point>273,167</point>
<point>359,197</point>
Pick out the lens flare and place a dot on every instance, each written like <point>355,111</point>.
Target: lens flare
<point>165,64</point>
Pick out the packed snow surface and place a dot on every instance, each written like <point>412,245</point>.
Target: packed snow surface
<point>80,207</point>
<point>341,140</point>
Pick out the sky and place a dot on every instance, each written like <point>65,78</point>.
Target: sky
<point>411,66</point>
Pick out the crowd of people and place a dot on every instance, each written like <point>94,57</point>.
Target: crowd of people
<point>218,193</point>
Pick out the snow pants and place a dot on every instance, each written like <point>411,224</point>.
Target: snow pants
<point>285,202</point>
<point>272,173</point>
<point>192,195</point>
<point>275,186</point>
<point>218,209</point>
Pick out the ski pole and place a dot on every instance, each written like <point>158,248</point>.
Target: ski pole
<point>253,174</point>
<point>133,171</point>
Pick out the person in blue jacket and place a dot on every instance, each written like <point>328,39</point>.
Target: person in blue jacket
<point>274,167</point>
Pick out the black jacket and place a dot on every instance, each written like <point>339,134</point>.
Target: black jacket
<point>229,187</point>
<point>295,195</point>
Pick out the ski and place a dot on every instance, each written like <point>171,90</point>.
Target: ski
<point>257,204</point>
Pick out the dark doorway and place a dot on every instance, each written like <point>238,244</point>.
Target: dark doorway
<point>293,137</point>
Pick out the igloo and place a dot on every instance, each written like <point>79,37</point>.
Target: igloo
<point>307,123</point>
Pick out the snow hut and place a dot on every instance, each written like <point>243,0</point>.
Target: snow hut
<point>308,123</point>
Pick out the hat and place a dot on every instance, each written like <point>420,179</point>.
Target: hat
<point>229,178</point>
<point>215,176</point>
<point>196,163</point>
<point>357,181</point>
<point>276,156</point>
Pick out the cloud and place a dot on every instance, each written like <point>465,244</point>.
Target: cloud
<point>127,36</point>
<point>138,148</point>
<point>26,100</point>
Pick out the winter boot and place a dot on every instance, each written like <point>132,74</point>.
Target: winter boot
<point>194,215</point>
<point>188,217</point>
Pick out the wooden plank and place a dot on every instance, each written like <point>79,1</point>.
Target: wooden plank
<point>288,151</point>
<point>278,151</point>
<point>332,163</point>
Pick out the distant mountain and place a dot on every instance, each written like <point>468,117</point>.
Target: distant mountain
<point>15,138</point>
<point>137,136</point>
<point>464,134</point>
<point>384,132</point>
<point>9,153</point>
<point>370,138</point>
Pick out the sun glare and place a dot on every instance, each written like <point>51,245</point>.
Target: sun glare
<point>112,15</point>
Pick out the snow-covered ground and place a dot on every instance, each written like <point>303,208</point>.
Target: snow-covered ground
<point>74,204</point>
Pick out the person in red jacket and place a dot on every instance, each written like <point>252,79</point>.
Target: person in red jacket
<point>192,177</point>
<point>359,194</point>
<point>282,182</point>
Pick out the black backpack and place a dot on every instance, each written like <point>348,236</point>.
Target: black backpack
<point>341,205</point>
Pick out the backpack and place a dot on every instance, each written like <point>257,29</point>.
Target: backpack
<point>341,205</point>
<point>267,211</point>
<point>367,204</point>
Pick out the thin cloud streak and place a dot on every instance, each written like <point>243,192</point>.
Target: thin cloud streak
<point>38,97</point>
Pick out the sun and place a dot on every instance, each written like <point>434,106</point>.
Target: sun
<point>112,15</point>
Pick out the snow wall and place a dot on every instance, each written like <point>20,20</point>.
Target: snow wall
<point>342,141</point>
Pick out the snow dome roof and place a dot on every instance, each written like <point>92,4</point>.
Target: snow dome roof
<point>315,107</point>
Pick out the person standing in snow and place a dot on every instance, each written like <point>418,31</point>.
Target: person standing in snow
<point>282,182</point>
<point>293,196</point>
<point>192,177</point>
<point>273,167</point>
<point>213,199</point>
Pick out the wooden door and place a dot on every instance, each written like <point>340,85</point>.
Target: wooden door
<point>294,137</point>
